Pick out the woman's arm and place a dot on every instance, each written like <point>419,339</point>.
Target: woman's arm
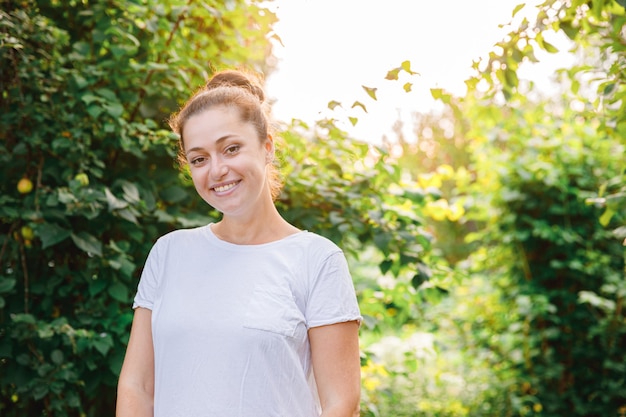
<point>135,389</point>
<point>337,368</point>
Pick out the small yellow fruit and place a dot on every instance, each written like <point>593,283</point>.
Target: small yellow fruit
<point>24,186</point>
<point>82,178</point>
<point>27,233</point>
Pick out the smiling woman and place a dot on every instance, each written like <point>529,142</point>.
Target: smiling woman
<point>249,315</point>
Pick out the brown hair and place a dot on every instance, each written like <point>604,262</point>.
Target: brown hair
<point>236,89</point>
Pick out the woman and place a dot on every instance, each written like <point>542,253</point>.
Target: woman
<point>248,316</point>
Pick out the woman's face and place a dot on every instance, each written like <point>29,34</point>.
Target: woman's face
<point>228,161</point>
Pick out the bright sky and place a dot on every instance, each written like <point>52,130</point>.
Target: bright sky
<point>333,47</point>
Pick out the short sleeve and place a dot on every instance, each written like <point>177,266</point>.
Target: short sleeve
<point>332,298</point>
<point>148,283</point>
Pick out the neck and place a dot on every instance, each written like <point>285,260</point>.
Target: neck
<point>258,229</point>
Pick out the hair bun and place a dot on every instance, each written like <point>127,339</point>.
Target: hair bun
<point>234,78</point>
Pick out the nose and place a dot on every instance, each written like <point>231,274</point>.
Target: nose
<point>219,169</point>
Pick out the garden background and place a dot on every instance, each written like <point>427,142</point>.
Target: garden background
<point>487,249</point>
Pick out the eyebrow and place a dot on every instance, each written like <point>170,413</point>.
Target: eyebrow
<point>217,142</point>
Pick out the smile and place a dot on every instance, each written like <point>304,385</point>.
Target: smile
<point>224,188</point>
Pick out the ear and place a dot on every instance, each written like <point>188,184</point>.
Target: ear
<point>269,149</point>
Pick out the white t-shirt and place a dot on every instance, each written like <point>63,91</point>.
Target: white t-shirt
<point>229,322</point>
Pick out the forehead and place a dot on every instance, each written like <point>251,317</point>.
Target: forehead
<point>215,123</point>
<point>211,118</point>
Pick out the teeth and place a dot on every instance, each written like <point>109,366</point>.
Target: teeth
<point>223,188</point>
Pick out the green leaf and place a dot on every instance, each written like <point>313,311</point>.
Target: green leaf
<point>608,88</point>
<point>95,111</point>
<point>597,6</point>
<point>517,9</point>
<point>131,192</point>
<point>606,217</point>
<point>89,98</point>
<point>393,74</point>
<point>385,266</point>
<point>107,94</point>
<point>406,65</point>
<point>127,214</point>
<point>96,286</point>
<point>83,48</point>
<point>157,66</point>
<point>119,292</point>
<point>277,38</point>
<point>334,217</point>
<point>550,48</point>
<point>6,284</point>
<point>417,280</point>
<point>57,357</point>
<point>39,391</point>
<point>511,78</point>
<point>114,202</point>
<point>103,344</point>
<point>359,104</point>
<point>353,120</point>
<point>23,318</point>
<point>114,109</point>
<point>620,232</point>
<point>382,240</point>
<point>87,243</point>
<point>51,234</point>
<point>332,104</point>
<point>569,29</point>
<point>174,194</point>
<point>119,51</point>
<point>371,91</point>
<point>597,301</point>
<point>127,268</point>
<point>433,294</point>
<point>436,93</point>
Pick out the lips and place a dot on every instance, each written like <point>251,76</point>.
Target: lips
<point>222,188</point>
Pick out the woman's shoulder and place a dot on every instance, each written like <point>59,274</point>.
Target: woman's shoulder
<point>181,235</point>
<point>314,242</point>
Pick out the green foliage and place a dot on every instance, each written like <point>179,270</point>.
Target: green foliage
<point>554,246</point>
<point>556,257</point>
<point>538,323</point>
<point>598,26</point>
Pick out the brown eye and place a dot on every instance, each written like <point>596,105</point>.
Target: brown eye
<point>232,149</point>
<point>197,161</point>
